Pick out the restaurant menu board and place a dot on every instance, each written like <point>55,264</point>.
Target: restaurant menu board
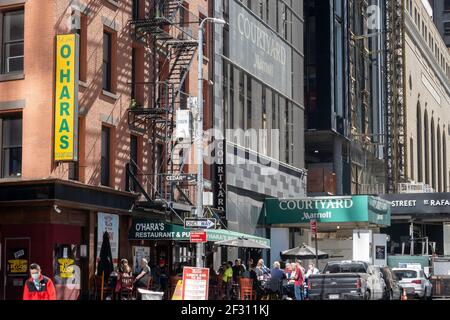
<point>195,283</point>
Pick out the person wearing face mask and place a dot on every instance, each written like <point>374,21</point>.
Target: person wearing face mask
<point>38,286</point>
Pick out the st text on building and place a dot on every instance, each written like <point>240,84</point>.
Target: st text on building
<point>66,98</point>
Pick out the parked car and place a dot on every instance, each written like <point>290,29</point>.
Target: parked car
<point>414,282</point>
<point>347,280</point>
<point>393,289</point>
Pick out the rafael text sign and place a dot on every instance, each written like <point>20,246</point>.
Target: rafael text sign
<point>195,283</point>
<point>66,98</point>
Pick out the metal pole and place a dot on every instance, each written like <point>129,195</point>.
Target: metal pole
<point>199,143</point>
<point>199,135</point>
<point>317,251</point>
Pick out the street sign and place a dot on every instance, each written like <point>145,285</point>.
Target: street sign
<point>181,177</point>
<point>195,283</point>
<point>313,226</point>
<point>199,223</point>
<point>198,237</point>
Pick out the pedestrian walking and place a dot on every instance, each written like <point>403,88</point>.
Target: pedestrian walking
<point>38,286</point>
<point>228,279</point>
<point>298,277</point>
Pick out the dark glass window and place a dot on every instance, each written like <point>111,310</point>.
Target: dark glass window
<point>447,28</point>
<point>105,156</point>
<point>135,9</point>
<point>133,158</point>
<point>106,61</point>
<point>11,146</point>
<point>447,5</point>
<point>12,41</point>
<point>133,73</point>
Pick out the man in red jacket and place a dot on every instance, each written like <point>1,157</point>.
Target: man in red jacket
<point>38,287</point>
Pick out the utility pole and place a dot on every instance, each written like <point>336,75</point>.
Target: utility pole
<point>199,136</point>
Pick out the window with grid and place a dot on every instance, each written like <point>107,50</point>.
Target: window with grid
<point>11,146</point>
<point>12,35</point>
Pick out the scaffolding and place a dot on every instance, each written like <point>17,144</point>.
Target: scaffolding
<point>170,32</point>
<point>396,155</point>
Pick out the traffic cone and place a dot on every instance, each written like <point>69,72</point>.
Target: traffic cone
<point>404,296</point>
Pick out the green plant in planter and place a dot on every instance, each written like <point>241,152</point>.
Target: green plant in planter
<point>133,104</point>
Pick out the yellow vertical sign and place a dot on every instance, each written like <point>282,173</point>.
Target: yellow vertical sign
<point>66,98</point>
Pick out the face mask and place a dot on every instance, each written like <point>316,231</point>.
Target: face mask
<point>35,276</point>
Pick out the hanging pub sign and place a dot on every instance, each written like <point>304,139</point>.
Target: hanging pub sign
<point>66,98</point>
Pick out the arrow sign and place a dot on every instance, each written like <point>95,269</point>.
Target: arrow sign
<point>199,223</point>
<point>181,177</point>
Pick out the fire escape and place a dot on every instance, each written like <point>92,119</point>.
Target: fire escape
<point>396,155</point>
<point>170,32</point>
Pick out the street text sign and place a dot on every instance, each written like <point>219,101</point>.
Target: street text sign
<point>195,283</point>
<point>198,237</point>
<point>199,223</point>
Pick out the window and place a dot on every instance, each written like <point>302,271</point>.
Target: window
<point>446,5</point>
<point>135,9</point>
<point>419,144</point>
<point>107,61</point>
<point>11,24</point>
<point>133,73</point>
<point>82,54</point>
<point>447,28</point>
<point>105,156</point>
<point>133,158</point>
<point>11,146</point>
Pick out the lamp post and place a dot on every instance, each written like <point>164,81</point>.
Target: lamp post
<point>199,135</point>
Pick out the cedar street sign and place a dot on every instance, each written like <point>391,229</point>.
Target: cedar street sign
<point>181,177</point>
<point>199,223</point>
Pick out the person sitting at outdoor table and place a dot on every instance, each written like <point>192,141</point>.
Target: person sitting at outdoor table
<point>261,270</point>
<point>228,279</point>
<point>238,269</point>
<point>288,270</point>
<point>124,271</point>
<point>277,273</point>
<point>141,280</point>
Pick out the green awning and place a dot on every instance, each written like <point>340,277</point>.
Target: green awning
<point>149,229</point>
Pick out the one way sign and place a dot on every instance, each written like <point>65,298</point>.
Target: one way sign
<point>199,223</point>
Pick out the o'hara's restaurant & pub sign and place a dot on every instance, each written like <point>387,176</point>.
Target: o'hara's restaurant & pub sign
<point>371,210</point>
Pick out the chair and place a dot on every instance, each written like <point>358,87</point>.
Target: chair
<point>274,289</point>
<point>126,287</point>
<point>246,289</point>
<point>100,288</point>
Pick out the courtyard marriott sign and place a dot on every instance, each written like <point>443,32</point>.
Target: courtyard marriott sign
<point>271,57</point>
<point>327,209</point>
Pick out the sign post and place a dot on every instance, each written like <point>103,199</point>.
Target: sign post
<point>195,283</point>
<point>313,225</point>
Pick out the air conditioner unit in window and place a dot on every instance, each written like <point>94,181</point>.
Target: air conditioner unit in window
<point>14,64</point>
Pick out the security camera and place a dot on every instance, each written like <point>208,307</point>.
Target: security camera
<point>58,210</point>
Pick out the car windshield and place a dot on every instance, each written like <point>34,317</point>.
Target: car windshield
<point>405,274</point>
<point>345,267</point>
